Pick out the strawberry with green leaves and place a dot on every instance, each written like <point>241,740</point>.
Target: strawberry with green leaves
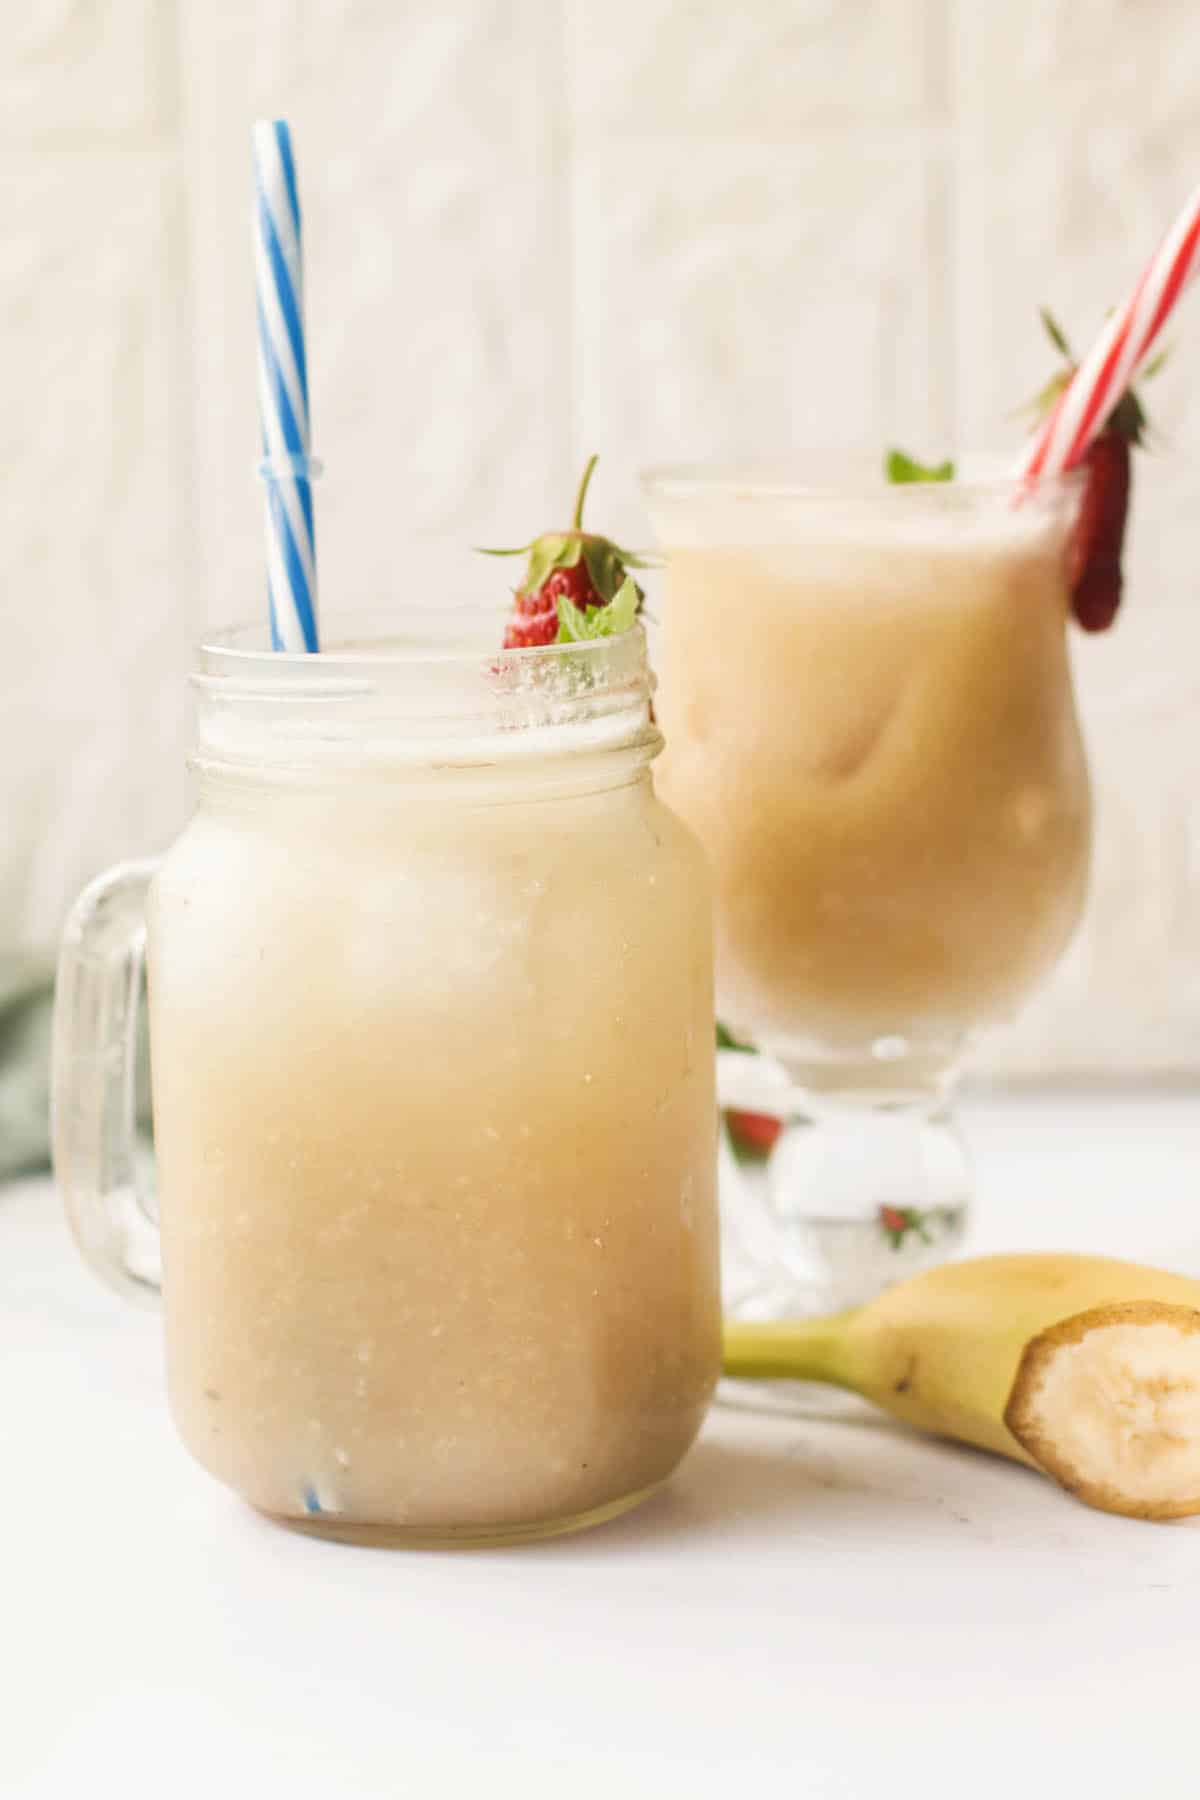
<point>1095,568</point>
<point>576,585</point>
<point>1095,556</point>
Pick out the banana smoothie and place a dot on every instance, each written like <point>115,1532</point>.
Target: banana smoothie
<point>431,1022</point>
<point>870,726</point>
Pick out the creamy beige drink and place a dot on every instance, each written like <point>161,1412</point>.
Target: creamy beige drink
<point>870,726</point>
<point>866,698</point>
<point>433,1085</point>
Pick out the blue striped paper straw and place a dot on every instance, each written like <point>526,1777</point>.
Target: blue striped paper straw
<point>287,467</point>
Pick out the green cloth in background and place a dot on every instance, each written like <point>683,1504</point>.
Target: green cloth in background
<point>26,1012</point>
<point>26,1004</point>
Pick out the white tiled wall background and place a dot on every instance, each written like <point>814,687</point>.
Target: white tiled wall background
<point>534,228</point>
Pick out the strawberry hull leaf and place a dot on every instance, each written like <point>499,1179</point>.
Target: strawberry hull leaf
<point>549,553</point>
<point>1046,397</point>
<point>1055,333</point>
<point>604,567</point>
<point>1128,418</point>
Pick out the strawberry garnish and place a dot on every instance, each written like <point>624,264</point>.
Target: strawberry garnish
<point>1095,566</point>
<point>526,630</point>
<point>1099,535</point>
<point>576,585</point>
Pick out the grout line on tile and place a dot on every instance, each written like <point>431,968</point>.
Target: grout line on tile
<point>967,293</point>
<point>188,546</point>
<point>944,326</point>
<point>560,150</point>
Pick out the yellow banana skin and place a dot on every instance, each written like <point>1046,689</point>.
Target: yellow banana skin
<point>953,1350</point>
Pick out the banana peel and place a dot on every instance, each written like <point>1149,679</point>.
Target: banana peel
<point>1083,1367</point>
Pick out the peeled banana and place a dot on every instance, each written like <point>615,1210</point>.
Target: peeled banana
<point>1085,1368</point>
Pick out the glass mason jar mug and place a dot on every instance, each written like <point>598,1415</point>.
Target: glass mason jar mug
<point>870,726</point>
<point>431,1036</point>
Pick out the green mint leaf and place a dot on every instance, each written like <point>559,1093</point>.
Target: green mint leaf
<point>727,1041</point>
<point>622,610</point>
<point>574,626</point>
<point>902,469</point>
<point>579,626</point>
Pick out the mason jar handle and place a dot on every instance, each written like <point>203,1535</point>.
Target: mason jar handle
<point>105,1184</point>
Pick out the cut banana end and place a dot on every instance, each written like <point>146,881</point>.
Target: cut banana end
<point>1108,1402</point>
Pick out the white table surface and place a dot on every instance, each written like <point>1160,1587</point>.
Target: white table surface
<point>828,1608</point>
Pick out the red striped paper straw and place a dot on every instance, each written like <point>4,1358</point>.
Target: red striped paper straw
<point>1081,412</point>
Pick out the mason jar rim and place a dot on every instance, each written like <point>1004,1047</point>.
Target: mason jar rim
<point>417,685</point>
<point>401,637</point>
